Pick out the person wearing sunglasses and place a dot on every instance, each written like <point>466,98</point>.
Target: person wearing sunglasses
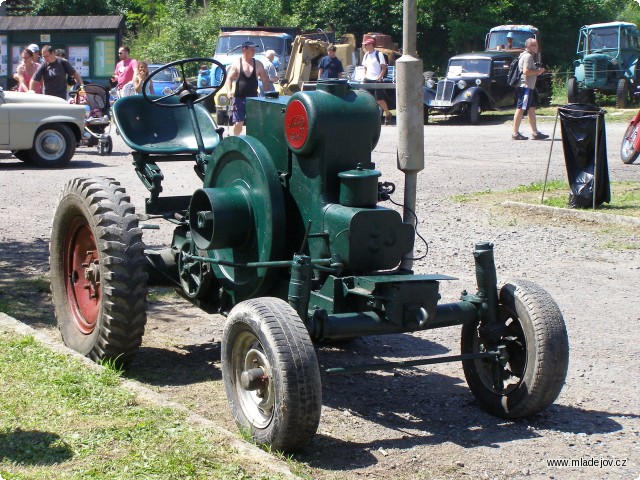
<point>53,73</point>
<point>125,69</point>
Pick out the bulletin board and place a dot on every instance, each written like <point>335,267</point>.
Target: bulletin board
<point>78,56</point>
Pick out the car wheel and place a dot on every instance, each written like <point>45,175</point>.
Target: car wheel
<point>53,146</point>
<point>426,115</point>
<point>475,111</point>
<point>22,155</point>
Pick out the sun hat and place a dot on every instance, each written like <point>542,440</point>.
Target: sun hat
<point>369,41</point>
<point>510,35</point>
<point>34,48</point>
<point>249,44</point>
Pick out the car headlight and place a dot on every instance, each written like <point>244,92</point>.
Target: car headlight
<point>167,91</point>
<point>223,100</point>
<point>431,83</point>
<point>461,84</point>
<point>478,81</point>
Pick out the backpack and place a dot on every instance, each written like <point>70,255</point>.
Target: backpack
<point>515,74</point>
<point>386,58</point>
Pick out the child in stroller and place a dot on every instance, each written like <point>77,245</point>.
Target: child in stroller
<point>97,125</point>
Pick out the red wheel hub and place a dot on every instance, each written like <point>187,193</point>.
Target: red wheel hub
<point>82,275</point>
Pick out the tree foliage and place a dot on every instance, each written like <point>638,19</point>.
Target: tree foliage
<point>163,30</point>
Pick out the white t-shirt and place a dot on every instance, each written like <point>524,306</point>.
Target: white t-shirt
<point>372,62</point>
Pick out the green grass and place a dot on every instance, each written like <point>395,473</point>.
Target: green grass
<point>625,200</point>
<point>60,419</point>
<point>625,196</point>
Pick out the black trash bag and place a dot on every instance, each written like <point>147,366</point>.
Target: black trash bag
<point>580,123</point>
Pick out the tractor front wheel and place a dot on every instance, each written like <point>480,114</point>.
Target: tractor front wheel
<point>573,93</point>
<point>538,354</point>
<point>623,97</point>
<point>98,276</point>
<point>271,374</point>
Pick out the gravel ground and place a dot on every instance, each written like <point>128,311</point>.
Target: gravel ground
<point>419,423</point>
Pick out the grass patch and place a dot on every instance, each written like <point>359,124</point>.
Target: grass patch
<point>62,420</point>
<point>21,295</point>
<point>625,196</point>
<point>625,200</point>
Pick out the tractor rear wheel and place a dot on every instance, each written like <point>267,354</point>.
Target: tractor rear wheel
<point>538,354</point>
<point>271,373</point>
<point>98,275</point>
<point>628,153</point>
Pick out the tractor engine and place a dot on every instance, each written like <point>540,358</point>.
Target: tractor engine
<point>302,180</point>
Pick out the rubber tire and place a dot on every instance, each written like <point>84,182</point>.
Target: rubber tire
<point>541,327</point>
<point>629,154</point>
<point>573,92</point>
<point>109,145</point>
<point>280,335</point>
<point>64,134</point>
<point>622,93</point>
<point>222,119</point>
<point>103,205</point>
<point>426,116</point>
<point>22,155</point>
<point>475,110</point>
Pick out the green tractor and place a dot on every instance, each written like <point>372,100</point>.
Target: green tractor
<point>288,237</point>
<point>610,54</point>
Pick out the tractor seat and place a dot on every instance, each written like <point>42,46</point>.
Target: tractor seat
<point>151,129</point>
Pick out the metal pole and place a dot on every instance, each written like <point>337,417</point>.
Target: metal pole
<point>546,174</point>
<point>410,114</point>
<point>595,163</point>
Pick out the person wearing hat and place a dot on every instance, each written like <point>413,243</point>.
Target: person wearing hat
<point>36,52</point>
<point>53,73</point>
<point>509,40</point>
<point>375,68</point>
<point>245,73</point>
<point>330,66</point>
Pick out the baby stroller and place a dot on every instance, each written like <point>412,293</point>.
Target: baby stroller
<point>97,124</point>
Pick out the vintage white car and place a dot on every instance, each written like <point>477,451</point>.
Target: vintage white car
<point>40,129</point>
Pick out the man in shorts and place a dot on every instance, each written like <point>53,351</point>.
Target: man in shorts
<point>375,68</point>
<point>245,73</point>
<point>527,97</point>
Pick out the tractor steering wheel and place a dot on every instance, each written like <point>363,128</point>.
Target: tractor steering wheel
<point>186,91</point>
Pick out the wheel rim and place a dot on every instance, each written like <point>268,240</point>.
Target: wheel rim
<point>512,374</point>
<point>629,139</point>
<point>50,145</point>
<point>256,404</point>
<point>82,275</point>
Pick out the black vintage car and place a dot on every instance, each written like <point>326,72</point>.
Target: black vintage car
<point>475,82</point>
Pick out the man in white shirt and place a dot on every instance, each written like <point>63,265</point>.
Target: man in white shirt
<point>375,68</point>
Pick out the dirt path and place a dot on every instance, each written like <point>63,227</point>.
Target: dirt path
<point>421,423</point>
